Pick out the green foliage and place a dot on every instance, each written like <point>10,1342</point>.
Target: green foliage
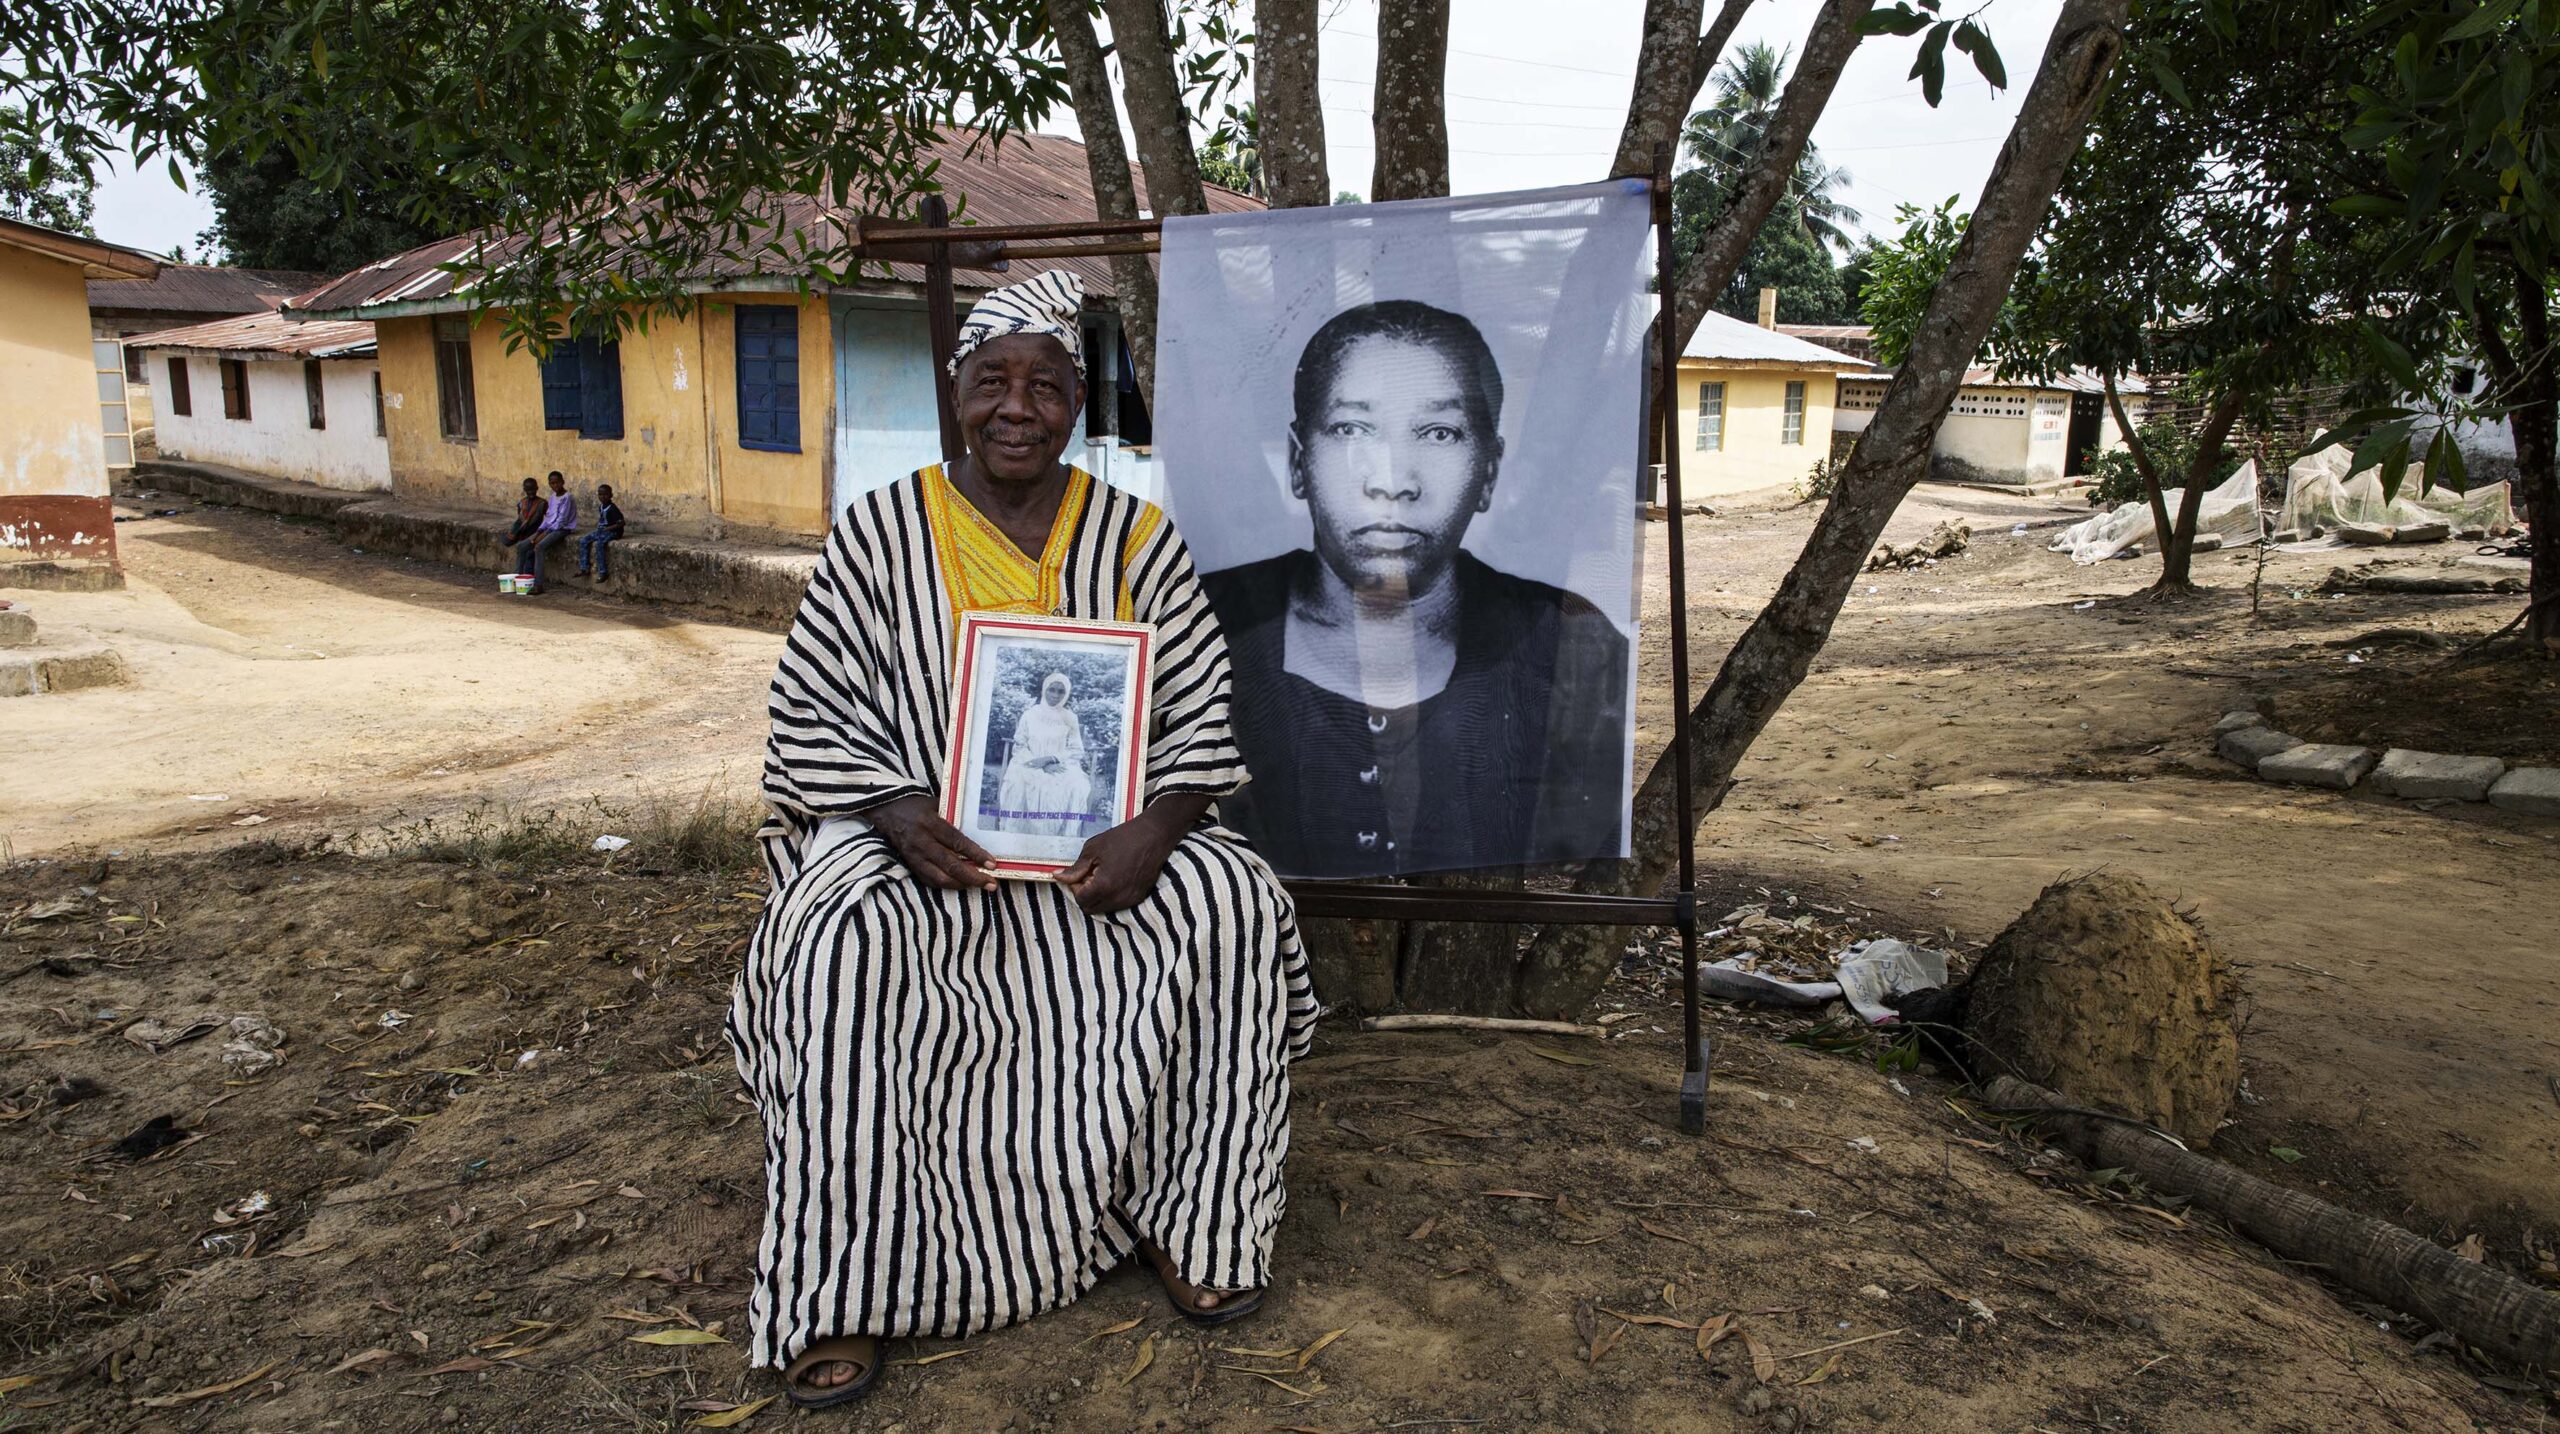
<point>268,214</point>
<point>1792,252</point>
<point>1232,156</point>
<point>632,138</point>
<point>2172,450</point>
<point>1922,17</point>
<point>40,184</point>
<point>1821,481</point>
<point>1903,275</point>
<point>1349,196</point>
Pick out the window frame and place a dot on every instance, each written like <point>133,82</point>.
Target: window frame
<point>457,404</point>
<point>1791,419</point>
<point>582,387</point>
<point>380,429</point>
<point>1711,439</point>
<point>182,399</point>
<point>315,394</point>
<point>766,324</point>
<point>235,385</point>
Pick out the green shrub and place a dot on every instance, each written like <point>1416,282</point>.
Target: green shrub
<point>2172,448</point>
<point>1823,480</point>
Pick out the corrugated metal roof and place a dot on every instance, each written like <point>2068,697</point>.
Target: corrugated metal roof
<point>1724,338</point>
<point>268,335</point>
<point>1033,179</point>
<point>205,289</point>
<point>1855,340</point>
<point>125,268</point>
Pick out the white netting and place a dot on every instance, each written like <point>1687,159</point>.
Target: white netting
<point>2230,510</point>
<point>2321,498</point>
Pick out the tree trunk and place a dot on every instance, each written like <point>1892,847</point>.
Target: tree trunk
<point>1410,111</point>
<point>1289,113</point>
<point>2178,541</point>
<point>1827,48</point>
<point>1115,193</point>
<point>1156,112</point>
<point>1671,65</point>
<point>2134,445</point>
<point>1568,965</point>
<point>2536,426</point>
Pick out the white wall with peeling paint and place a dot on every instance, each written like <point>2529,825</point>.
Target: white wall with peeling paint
<point>277,438</point>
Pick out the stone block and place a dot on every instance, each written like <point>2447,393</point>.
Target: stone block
<point>2234,721</point>
<point>17,627</point>
<point>2534,791</point>
<point>2371,535</point>
<point>17,676</point>
<point>2318,764</point>
<point>2249,746</point>
<point>81,667</point>
<point>2434,775</point>
<point>2422,533</point>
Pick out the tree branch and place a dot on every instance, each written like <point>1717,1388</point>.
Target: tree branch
<point>1410,113</point>
<point>1773,655</point>
<point>1288,111</point>
<point>1115,193</point>
<point>1156,112</point>
<point>1672,64</point>
<point>1827,48</point>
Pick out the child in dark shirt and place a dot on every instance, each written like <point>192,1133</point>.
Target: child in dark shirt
<point>608,530</point>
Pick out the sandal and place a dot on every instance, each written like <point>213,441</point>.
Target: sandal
<point>1233,1305</point>
<point>861,1349</point>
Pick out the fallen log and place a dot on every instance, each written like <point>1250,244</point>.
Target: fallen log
<point>2480,1306</point>
<point>1428,1022</point>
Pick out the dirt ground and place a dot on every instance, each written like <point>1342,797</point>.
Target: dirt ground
<point>1973,731</point>
<point>505,1155</point>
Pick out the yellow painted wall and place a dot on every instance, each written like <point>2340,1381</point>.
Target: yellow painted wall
<point>50,442</point>
<point>677,467</point>
<point>783,492</point>
<point>1752,457</point>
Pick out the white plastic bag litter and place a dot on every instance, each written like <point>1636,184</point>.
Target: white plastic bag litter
<point>1728,980</point>
<point>1870,971</point>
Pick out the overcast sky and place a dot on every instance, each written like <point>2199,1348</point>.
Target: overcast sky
<point>1532,102</point>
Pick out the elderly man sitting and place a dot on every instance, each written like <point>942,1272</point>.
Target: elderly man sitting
<point>980,1095</point>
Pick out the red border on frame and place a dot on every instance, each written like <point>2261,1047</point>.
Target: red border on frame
<point>1133,756</point>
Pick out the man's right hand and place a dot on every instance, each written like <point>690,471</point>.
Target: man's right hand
<point>932,848</point>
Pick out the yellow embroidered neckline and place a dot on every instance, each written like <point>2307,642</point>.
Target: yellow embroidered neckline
<point>982,569</point>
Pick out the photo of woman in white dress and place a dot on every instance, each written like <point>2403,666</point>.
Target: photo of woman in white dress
<point>1046,785</point>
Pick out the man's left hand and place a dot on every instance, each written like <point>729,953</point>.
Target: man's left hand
<point>1118,868</point>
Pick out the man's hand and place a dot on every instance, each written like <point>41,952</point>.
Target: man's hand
<point>1117,868</point>
<point>932,848</point>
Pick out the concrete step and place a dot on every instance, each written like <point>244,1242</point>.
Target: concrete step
<point>17,627</point>
<point>31,671</point>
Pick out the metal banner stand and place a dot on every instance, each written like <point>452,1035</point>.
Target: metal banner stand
<point>990,246</point>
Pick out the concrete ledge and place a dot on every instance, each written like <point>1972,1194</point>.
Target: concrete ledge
<point>240,489</point>
<point>2318,764</point>
<point>17,627</point>
<point>24,674</point>
<point>45,575</point>
<point>756,582</point>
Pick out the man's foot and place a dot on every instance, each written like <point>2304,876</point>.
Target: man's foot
<point>832,1371</point>
<point>1198,1305</point>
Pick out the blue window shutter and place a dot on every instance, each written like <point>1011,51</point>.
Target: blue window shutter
<point>561,403</point>
<point>768,345</point>
<point>600,388</point>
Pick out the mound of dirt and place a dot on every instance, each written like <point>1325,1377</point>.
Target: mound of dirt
<point>2102,991</point>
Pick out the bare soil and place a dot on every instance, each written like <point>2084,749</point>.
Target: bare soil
<point>1974,730</point>
<point>506,1150</point>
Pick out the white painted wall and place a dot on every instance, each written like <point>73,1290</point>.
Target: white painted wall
<point>277,438</point>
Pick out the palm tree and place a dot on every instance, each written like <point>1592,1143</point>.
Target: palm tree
<point>1725,139</point>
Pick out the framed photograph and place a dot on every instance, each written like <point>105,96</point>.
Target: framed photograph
<point>1432,407</point>
<point>1049,735</point>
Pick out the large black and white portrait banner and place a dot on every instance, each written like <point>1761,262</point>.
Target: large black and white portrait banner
<point>1402,442</point>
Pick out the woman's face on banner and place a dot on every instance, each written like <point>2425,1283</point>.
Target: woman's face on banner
<point>1394,465</point>
<point>1054,691</point>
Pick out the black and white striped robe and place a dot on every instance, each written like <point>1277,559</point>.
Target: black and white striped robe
<point>964,1092</point>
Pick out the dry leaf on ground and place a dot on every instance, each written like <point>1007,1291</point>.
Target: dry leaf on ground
<point>731,1418</point>
<point>678,1336</point>
<point>1138,1366</point>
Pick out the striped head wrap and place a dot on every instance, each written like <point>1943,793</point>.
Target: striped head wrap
<point>1046,303</point>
